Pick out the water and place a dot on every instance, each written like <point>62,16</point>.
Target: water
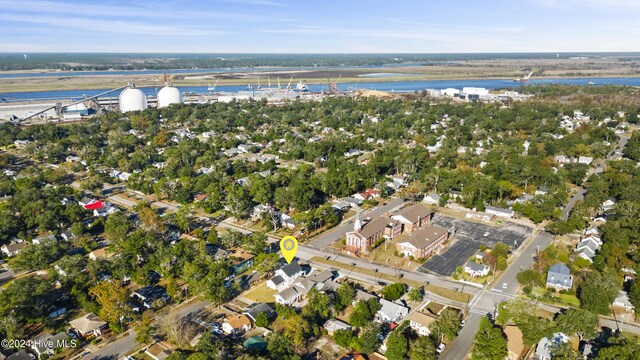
<point>387,75</point>
<point>399,86</point>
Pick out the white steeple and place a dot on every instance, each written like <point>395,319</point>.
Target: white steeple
<point>357,225</point>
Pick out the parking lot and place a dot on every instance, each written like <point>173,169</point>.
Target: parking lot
<point>468,237</point>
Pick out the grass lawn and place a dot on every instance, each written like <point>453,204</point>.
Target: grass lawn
<point>434,307</point>
<point>556,298</point>
<point>386,257</point>
<point>260,294</point>
<point>438,290</point>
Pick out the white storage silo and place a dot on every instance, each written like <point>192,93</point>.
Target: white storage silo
<point>169,95</point>
<point>132,99</point>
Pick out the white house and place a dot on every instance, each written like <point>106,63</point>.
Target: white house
<point>475,269</point>
<point>13,248</point>
<point>502,212</point>
<point>559,277</point>
<point>546,346</point>
<point>432,198</point>
<point>236,324</point>
<point>391,312</point>
<point>46,344</point>
<point>622,301</point>
<point>421,322</point>
<point>285,276</point>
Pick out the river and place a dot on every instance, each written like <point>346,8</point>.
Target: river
<point>390,86</point>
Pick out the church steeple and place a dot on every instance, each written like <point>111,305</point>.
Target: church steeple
<point>357,225</point>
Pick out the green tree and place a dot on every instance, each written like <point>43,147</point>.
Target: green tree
<point>112,298</point>
<point>116,227</point>
<point>369,338</point>
<point>422,348</point>
<point>143,332</point>
<point>416,294</point>
<point>262,320</point>
<point>344,338</point>
<point>578,321</point>
<point>447,324</point>
<point>363,312</point>
<point>529,277</point>
<point>397,345</point>
<point>564,352</point>
<point>394,291</point>
<point>489,342</point>
<point>597,292</point>
<point>267,263</point>
<point>344,295</point>
<point>318,309</point>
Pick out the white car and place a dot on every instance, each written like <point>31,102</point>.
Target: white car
<point>440,348</point>
<point>504,285</point>
<point>486,234</point>
<point>463,323</point>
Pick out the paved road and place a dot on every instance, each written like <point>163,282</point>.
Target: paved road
<point>125,345</point>
<point>307,252</point>
<point>459,348</point>
<point>338,233</point>
<point>116,349</point>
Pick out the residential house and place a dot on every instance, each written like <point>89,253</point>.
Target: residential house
<point>391,311</point>
<point>158,351</point>
<point>456,195</point>
<point>236,324</point>
<point>353,202</point>
<point>105,210</point>
<point>501,212</point>
<point>67,235</point>
<point>608,205</point>
<point>559,277</point>
<point>287,296</point>
<point>333,325</point>
<point>322,277</point>
<point>475,270</point>
<point>413,217</point>
<point>88,325</point>
<point>586,160</point>
<point>99,254</point>
<point>622,301</point>
<point>240,261</point>
<point>287,221</point>
<point>421,323</point>
<point>515,343</point>
<point>480,255</point>
<point>422,242</point>
<point>255,309</point>
<point>341,206</point>
<point>44,239</point>
<point>285,276</point>
<point>13,248</point>
<point>200,197</point>
<point>546,346</point>
<point>432,198</point>
<point>151,296</point>
<point>46,344</point>
<point>255,344</point>
<point>21,144</point>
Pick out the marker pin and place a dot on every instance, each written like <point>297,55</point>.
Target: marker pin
<point>289,247</point>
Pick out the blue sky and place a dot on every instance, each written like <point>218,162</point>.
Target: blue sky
<point>346,26</point>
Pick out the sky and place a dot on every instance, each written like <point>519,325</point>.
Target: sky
<point>325,26</point>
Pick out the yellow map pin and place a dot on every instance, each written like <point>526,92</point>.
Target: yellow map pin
<point>289,247</point>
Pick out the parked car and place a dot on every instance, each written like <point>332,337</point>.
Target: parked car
<point>440,348</point>
<point>463,323</point>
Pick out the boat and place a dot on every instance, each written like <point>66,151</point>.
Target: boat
<point>591,83</point>
<point>524,79</point>
<point>301,86</point>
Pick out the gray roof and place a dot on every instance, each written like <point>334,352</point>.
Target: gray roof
<point>277,280</point>
<point>415,212</point>
<point>288,293</point>
<point>392,310</point>
<point>475,266</point>
<point>334,325</point>
<point>291,269</point>
<point>321,276</point>
<point>559,274</point>
<point>254,309</point>
<point>363,295</point>
<point>498,209</point>
<point>48,338</point>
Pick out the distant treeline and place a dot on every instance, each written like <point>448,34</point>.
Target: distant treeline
<point>98,61</point>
